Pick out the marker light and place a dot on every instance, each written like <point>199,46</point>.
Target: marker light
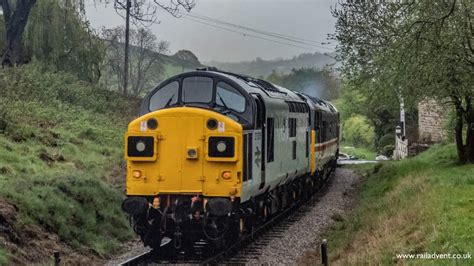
<point>226,175</point>
<point>137,173</point>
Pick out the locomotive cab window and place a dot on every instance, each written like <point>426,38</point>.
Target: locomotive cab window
<point>229,98</point>
<point>197,90</point>
<point>165,96</point>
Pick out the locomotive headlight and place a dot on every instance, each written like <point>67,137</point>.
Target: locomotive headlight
<point>140,146</point>
<point>221,146</point>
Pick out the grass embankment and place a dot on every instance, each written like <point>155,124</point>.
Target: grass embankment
<point>423,204</point>
<point>60,151</point>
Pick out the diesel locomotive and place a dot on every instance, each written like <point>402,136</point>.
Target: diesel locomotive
<point>215,154</point>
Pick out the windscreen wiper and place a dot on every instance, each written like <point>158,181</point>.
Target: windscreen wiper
<point>223,103</point>
<point>169,101</point>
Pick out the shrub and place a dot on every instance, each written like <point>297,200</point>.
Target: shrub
<point>387,139</point>
<point>388,150</point>
<point>358,131</point>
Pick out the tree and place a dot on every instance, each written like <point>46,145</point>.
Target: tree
<point>414,49</point>
<point>15,19</point>
<point>143,12</point>
<point>145,65</point>
<point>59,38</point>
<point>187,59</point>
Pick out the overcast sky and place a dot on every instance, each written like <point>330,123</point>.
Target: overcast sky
<point>305,19</point>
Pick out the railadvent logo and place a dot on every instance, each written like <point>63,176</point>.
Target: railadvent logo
<point>434,256</point>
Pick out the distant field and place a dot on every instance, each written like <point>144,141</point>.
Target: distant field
<point>423,204</point>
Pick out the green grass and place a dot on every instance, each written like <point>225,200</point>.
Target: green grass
<point>423,204</point>
<point>60,142</point>
<point>359,152</point>
<point>3,257</point>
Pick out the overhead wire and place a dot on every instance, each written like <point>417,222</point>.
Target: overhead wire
<point>249,34</point>
<point>246,31</point>
<point>269,33</point>
<point>241,31</point>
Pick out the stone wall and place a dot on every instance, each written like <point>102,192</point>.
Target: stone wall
<point>431,117</point>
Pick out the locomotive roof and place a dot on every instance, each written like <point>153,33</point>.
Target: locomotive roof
<point>253,85</point>
<point>321,104</point>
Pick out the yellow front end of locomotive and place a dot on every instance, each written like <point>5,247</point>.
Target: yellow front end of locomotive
<point>184,150</point>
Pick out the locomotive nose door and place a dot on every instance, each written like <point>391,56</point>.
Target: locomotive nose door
<point>178,172</point>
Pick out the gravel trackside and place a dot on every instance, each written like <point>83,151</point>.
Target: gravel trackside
<point>305,233</point>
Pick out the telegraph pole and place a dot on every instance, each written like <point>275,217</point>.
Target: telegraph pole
<point>127,41</point>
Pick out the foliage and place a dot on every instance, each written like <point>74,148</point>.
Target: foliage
<point>60,154</point>
<point>187,59</point>
<point>318,83</point>
<point>414,49</point>
<point>59,38</point>
<point>3,257</point>
<point>410,208</point>
<point>380,115</point>
<point>145,10</point>
<point>358,131</point>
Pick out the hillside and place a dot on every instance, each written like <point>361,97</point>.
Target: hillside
<point>61,182</point>
<point>161,67</point>
<point>263,68</point>
<point>423,204</point>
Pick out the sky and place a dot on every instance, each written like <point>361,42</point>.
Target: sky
<point>310,20</point>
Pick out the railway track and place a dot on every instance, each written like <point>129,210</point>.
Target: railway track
<point>247,248</point>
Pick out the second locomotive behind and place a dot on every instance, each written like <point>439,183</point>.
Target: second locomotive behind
<point>215,154</point>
